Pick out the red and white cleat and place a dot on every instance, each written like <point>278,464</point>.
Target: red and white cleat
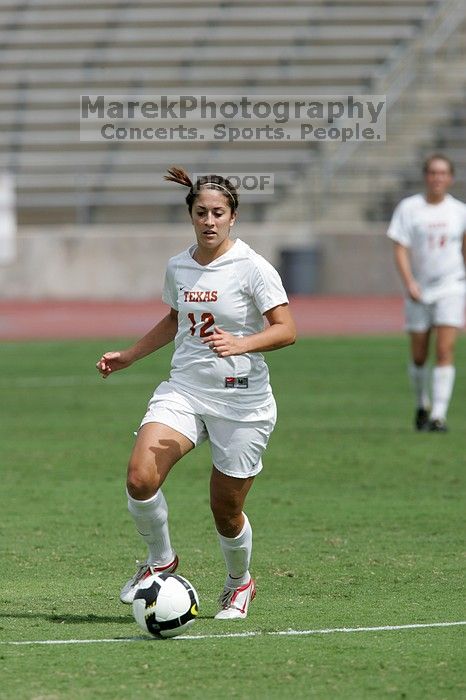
<point>235,601</point>
<point>144,570</point>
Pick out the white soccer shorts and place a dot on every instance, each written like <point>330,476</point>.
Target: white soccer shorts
<point>236,441</point>
<point>447,311</point>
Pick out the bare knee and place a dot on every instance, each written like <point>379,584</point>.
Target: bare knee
<point>420,355</point>
<point>228,516</point>
<point>141,482</point>
<point>227,497</point>
<point>445,357</point>
<point>419,348</point>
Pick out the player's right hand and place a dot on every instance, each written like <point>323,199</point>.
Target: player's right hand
<point>112,362</point>
<point>414,291</point>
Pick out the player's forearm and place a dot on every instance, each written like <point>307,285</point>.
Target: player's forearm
<point>277,336</point>
<point>160,335</point>
<point>403,265</point>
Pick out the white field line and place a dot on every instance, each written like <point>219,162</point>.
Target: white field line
<point>282,633</point>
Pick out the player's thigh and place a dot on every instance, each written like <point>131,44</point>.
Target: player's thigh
<point>157,448</point>
<point>169,429</point>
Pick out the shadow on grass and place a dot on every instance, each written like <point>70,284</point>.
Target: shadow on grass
<point>79,619</point>
<point>67,618</point>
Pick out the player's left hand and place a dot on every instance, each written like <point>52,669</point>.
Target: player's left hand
<point>225,344</point>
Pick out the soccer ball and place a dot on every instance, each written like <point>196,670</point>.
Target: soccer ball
<point>165,605</point>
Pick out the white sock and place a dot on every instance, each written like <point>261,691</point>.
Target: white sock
<point>443,379</point>
<point>419,376</point>
<point>151,519</point>
<point>237,553</point>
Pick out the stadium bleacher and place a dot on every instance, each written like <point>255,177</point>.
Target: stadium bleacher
<point>428,118</point>
<point>54,50</point>
<point>449,138</point>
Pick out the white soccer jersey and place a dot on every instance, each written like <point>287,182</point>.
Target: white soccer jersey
<point>232,292</point>
<point>434,234</point>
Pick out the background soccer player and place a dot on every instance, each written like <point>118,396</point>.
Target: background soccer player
<point>429,235</point>
<point>219,291</point>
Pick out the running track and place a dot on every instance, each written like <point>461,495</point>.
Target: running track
<point>26,320</point>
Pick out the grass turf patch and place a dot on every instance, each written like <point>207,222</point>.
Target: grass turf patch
<point>357,522</point>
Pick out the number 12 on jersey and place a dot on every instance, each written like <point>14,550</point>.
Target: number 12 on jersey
<point>207,321</point>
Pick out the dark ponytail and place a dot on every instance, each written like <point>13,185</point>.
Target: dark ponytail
<point>180,176</point>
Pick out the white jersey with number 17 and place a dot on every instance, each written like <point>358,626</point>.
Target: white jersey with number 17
<point>232,292</point>
<point>434,234</point>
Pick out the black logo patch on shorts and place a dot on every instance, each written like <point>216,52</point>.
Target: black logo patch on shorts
<point>236,383</point>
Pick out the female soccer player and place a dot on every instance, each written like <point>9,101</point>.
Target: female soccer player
<point>218,292</point>
<point>430,249</point>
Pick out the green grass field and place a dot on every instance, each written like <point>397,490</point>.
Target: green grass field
<point>358,522</point>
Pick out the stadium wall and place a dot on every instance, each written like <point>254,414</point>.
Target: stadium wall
<point>121,262</point>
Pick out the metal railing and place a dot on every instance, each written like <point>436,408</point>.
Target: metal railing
<point>401,72</point>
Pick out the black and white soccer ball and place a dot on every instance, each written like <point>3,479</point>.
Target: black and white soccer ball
<point>165,605</point>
